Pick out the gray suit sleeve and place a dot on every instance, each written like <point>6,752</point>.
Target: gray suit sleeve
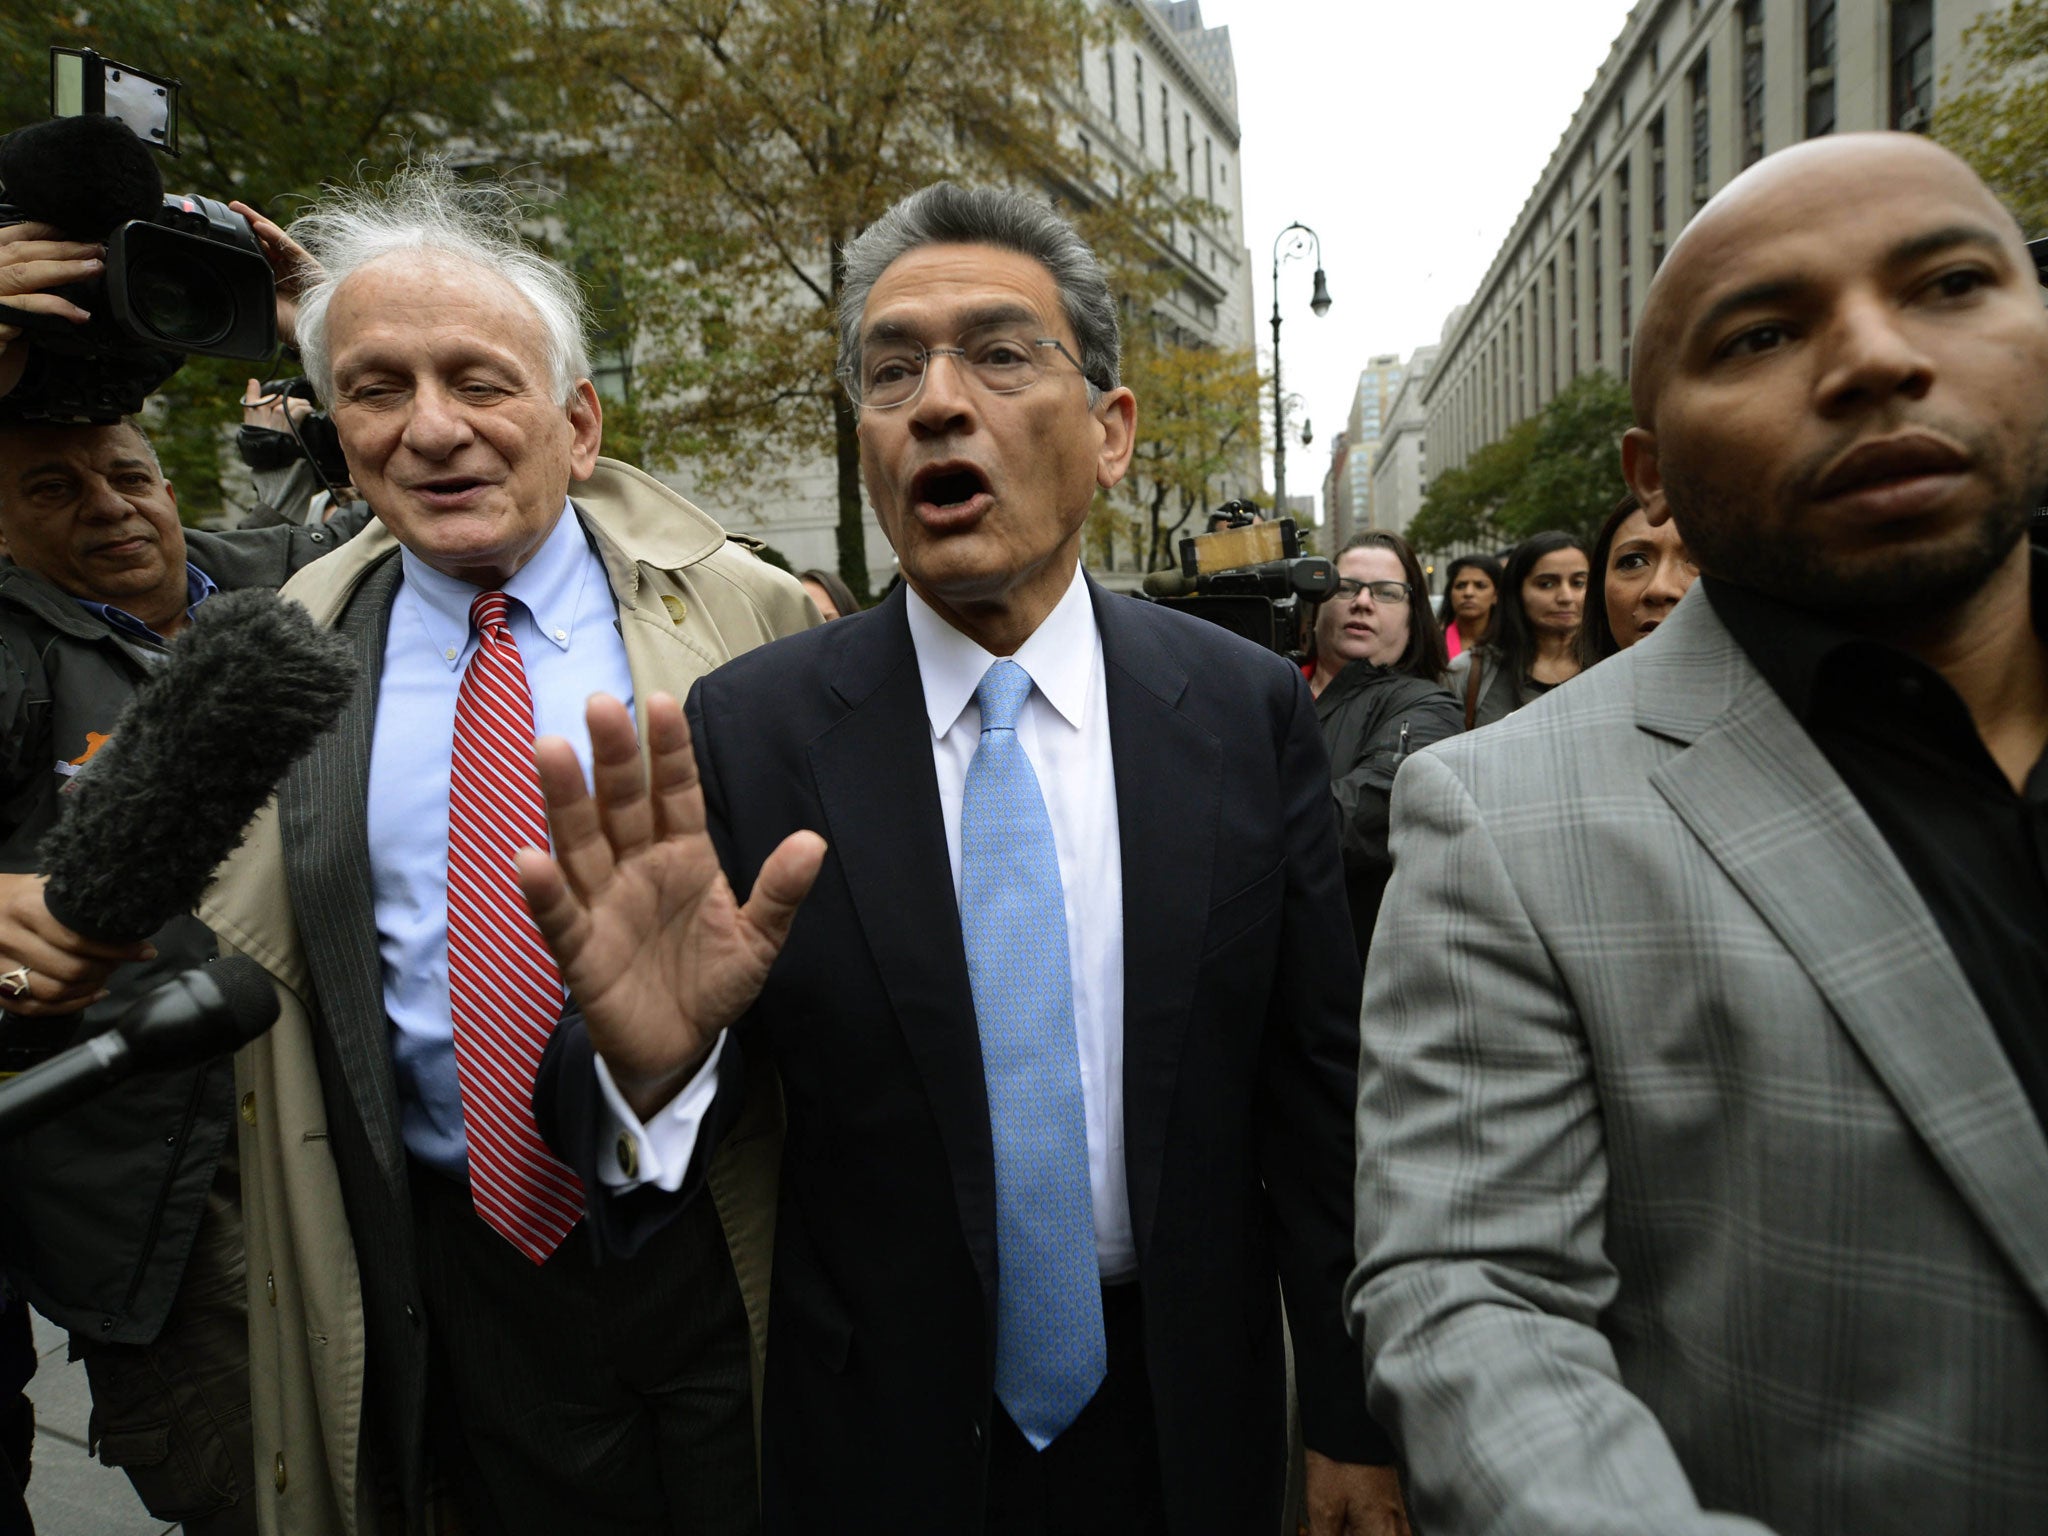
<point>1481,1211</point>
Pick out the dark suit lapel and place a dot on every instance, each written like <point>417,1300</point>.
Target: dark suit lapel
<point>1168,806</point>
<point>323,810</point>
<point>1757,792</point>
<point>880,795</point>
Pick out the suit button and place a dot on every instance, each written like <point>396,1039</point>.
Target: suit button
<point>279,1474</point>
<point>410,1315</point>
<point>248,1109</point>
<point>974,1434</point>
<point>628,1153</point>
<point>270,1285</point>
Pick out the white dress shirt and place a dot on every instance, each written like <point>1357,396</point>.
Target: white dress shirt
<point>1064,731</point>
<point>566,625</point>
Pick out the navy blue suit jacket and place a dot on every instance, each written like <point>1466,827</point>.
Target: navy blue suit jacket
<point>1240,1055</point>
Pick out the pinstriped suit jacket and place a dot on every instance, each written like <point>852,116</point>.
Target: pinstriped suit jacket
<point>1695,1191</point>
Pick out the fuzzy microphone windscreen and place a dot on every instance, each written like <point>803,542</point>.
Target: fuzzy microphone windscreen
<point>244,693</point>
<point>85,175</point>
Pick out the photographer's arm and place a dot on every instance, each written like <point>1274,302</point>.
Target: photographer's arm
<point>33,259</point>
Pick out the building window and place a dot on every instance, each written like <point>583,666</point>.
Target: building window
<point>1599,290</point>
<point>1624,252</point>
<point>1571,303</point>
<point>1521,375</point>
<point>1165,131</point>
<point>1110,57</point>
<point>1087,157</point>
<point>1209,167</point>
<point>1912,64</point>
<point>1820,67</point>
<point>1702,131</point>
<point>1752,81</point>
<point>1657,183</point>
<point>1187,145</point>
<point>1553,327</point>
<point>1138,94</point>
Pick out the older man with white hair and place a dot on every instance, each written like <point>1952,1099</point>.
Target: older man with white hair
<point>431,1333</point>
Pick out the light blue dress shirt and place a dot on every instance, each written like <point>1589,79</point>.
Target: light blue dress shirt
<point>566,624</point>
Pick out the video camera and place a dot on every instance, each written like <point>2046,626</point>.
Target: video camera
<point>184,274</point>
<point>310,435</point>
<point>1251,577</point>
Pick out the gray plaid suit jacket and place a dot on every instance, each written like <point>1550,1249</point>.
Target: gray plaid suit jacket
<point>1695,1192</point>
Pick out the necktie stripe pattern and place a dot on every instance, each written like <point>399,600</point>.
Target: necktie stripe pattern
<point>1050,1351</point>
<point>504,991</point>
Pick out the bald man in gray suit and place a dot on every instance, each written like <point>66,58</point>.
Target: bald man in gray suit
<point>1703,1181</point>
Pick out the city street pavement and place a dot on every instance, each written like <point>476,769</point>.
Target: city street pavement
<point>69,1493</point>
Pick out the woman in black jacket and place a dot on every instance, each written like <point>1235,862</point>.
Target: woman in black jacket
<point>1379,654</point>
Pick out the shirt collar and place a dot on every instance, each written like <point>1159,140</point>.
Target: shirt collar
<point>548,587</point>
<point>1059,655</point>
<point>1797,651</point>
<point>198,588</point>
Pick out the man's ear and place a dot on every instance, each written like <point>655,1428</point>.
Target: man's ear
<point>1118,412</point>
<point>586,422</point>
<point>1644,474</point>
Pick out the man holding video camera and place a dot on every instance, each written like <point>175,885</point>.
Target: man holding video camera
<point>119,1221</point>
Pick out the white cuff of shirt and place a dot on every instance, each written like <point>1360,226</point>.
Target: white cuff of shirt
<point>659,1151</point>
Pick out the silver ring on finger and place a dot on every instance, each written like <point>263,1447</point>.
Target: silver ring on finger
<point>14,983</point>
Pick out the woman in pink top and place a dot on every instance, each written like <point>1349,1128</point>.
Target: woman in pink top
<point>1471,587</point>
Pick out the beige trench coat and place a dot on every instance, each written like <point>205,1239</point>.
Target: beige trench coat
<point>688,600</point>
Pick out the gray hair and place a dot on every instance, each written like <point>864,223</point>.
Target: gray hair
<point>428,211</point>
<point>946,214</point>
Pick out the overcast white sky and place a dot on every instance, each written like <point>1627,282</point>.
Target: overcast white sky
<point>1407,134</point>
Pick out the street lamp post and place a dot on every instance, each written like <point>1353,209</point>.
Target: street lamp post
<point>1296,238</point>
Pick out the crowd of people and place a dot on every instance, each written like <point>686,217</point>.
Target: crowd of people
<point>1020,1059</point>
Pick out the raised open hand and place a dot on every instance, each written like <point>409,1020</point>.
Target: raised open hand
<point>655,948</point>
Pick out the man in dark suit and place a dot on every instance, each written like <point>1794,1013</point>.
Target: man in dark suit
<point>1065,1020</point>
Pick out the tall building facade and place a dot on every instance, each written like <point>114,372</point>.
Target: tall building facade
<point>1690,93</point>
<point>1352,511</point>
<point>1400,462</point>
<point>1336,491</point>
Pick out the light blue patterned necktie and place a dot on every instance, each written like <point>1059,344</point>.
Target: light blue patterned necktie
<point>1050,1355</point>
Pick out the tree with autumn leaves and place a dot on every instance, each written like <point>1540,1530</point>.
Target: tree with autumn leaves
<point>750,140</point>
<point>701,163</point>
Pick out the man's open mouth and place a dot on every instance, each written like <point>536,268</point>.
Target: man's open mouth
<point>948,485</point>
<point>451,485</point>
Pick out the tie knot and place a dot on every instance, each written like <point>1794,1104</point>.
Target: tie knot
<point>1001,694</point>
<point>487,614</point>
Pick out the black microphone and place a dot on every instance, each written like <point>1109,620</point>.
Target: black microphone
<point>85,175</point>
<point>192,1018</point>
<point>243,694</point>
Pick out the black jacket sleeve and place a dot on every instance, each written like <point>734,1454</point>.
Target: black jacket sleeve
<point>1364,787</point>
<point>1308,1094</point>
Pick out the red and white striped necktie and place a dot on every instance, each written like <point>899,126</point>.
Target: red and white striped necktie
<point>504,990</point>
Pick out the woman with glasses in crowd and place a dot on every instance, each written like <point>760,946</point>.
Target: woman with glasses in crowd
<point>1379,655</point>
<point>1471,588</point>
<point>1644,570</point>
<point>1532,641</point>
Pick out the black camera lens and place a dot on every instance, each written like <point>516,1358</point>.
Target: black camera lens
<point>182,300</point>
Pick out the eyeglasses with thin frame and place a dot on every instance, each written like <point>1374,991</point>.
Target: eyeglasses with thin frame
<point>891,371</point>
<point>1382,591</point>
